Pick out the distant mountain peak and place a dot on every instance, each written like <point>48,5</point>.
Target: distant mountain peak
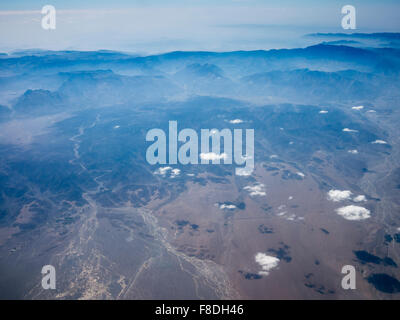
<point>33,100</point>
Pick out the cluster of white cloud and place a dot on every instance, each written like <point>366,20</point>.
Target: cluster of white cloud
<point>266,262</point>
<point>293,217</point>
<point>286,215</point>
<point>256,190</point>
<point>236,121</point>
<point>164,170</point>
<point>379,142</point>
<point>227,206</point>
<point>280,208</point>
<point>323,112</point>
<point>339,195</point>
<point>354,151</point>
<point>358,108</point>
<point>354,213</point>
<point>349,130</point>
<point>175,172</point>
<point>213,156</point>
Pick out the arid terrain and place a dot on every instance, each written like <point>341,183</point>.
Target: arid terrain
<point>76,191</point>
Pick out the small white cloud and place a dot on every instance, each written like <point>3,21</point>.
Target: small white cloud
<point>288,216</point>
<point>291,142</point>
<point>360,198</point>
<point>301,174</point>
<point>339,195</point>
<point>379,142</point>
<point>274,156</point>
<point>243,171</point>
<point>358,108</point>
<point>190,174</point>
<point>236,121</point>
<point>267,263</point>
<point>290,198</point>
<point>354,151</point>
<point>162,171</point>
<point>213,156</point>
<point>323,112</point>
<point>354,213</point>
<point>227,206</point>
<point>371,111</point>
<point>349,130</point>
<point>116,127</point>
<point>175,172</point>
<point>256,190</point>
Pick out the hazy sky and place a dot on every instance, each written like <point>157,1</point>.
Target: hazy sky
<point>163,25</point>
